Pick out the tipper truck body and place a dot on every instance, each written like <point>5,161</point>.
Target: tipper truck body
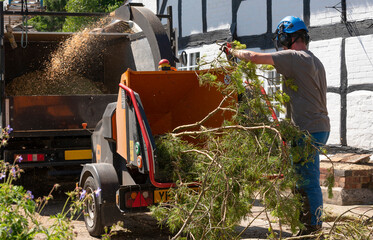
<point>54,130</point>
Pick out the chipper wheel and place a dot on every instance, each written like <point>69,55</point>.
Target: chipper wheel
<point>92,214</point>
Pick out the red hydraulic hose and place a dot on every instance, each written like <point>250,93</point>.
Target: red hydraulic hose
<point>274,116</point>
<point>146,139</point>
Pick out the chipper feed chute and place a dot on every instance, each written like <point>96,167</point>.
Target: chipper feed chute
<point>174,98</point>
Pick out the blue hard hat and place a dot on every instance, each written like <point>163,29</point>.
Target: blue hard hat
<point>291,24</point>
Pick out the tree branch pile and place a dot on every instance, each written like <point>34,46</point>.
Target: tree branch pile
<point>246,159</point>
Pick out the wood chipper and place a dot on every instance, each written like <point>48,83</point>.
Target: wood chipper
<point>124,162</point>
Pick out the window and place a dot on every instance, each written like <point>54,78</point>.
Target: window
<point>271,85</point>
<point>192,64</point>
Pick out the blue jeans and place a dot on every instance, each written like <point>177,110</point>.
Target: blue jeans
<point>309,185</point>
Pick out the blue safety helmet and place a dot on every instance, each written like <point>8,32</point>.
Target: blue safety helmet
<point>285,29</point>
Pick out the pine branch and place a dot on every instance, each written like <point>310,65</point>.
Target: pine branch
<point>198,124</point>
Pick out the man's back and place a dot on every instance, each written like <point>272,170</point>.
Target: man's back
<point>306,85</point>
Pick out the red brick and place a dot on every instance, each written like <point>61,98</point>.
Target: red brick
<point>340,181</point>
<point>352,180</point>
<point>361,173</point>
<point>365,179</point>
<point>352,186</point>
<point>324,171</point>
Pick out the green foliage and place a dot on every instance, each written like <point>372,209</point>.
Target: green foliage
<point>170,150</point>
<point>50,23</point>
<point>19,211</point>
<point>237,45</point>
<point>74,24</point>
<point>330,182</point>
<point>234,165</point>
<point>289,83</point>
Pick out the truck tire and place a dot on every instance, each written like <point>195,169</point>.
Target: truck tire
<point>92,211</point>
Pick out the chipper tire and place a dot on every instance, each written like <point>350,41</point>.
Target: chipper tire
<point>92,211</point>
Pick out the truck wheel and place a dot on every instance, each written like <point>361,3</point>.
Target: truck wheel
<point>92,214</point>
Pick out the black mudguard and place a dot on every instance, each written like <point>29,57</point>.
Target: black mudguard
<point>107,180</point>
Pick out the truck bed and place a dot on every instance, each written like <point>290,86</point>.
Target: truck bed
<point>46,115</point>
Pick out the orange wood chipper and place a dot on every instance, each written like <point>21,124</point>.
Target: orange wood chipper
<point>122,177</point>
<point>124,159</point>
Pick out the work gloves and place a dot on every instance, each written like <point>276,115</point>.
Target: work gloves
<point>227,49</point>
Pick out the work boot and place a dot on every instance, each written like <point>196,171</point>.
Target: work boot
<point>310,230</point>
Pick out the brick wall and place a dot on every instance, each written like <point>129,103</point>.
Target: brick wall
<point>352,178</point>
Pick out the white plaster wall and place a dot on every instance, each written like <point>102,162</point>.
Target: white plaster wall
<point>359,9</point>
<point>329,53</point>
<point>175,12</point>
<point>322,14</point>
<point>150,4</point>
<point>252,21</point>
<point>360,119</point>
<point>252,17</point>
<point>208,52</point>
<point>283,8</point>
<point>359,59</point>
<point>219,14</point>
<point>191,17</point>
<point>334,112</point>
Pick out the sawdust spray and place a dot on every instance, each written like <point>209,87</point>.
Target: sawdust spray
<point>66,69</point>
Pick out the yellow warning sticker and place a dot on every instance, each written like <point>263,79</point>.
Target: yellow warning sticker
<point>132,157</point>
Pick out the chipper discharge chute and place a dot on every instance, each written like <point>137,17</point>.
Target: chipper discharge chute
<point>124,165</point>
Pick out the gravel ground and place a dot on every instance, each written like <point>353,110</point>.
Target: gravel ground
<point>144,227</point>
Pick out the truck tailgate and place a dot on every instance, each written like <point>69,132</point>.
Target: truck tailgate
<point>55,113</point>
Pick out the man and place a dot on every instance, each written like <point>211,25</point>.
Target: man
<point>307,105</point>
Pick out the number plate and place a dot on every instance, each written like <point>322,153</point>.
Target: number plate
<point>161,196</point>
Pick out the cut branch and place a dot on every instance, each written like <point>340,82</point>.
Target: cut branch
<point>198,124</point>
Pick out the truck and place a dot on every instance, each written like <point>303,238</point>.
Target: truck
<point>109,138</point>
<point>52,132</point>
